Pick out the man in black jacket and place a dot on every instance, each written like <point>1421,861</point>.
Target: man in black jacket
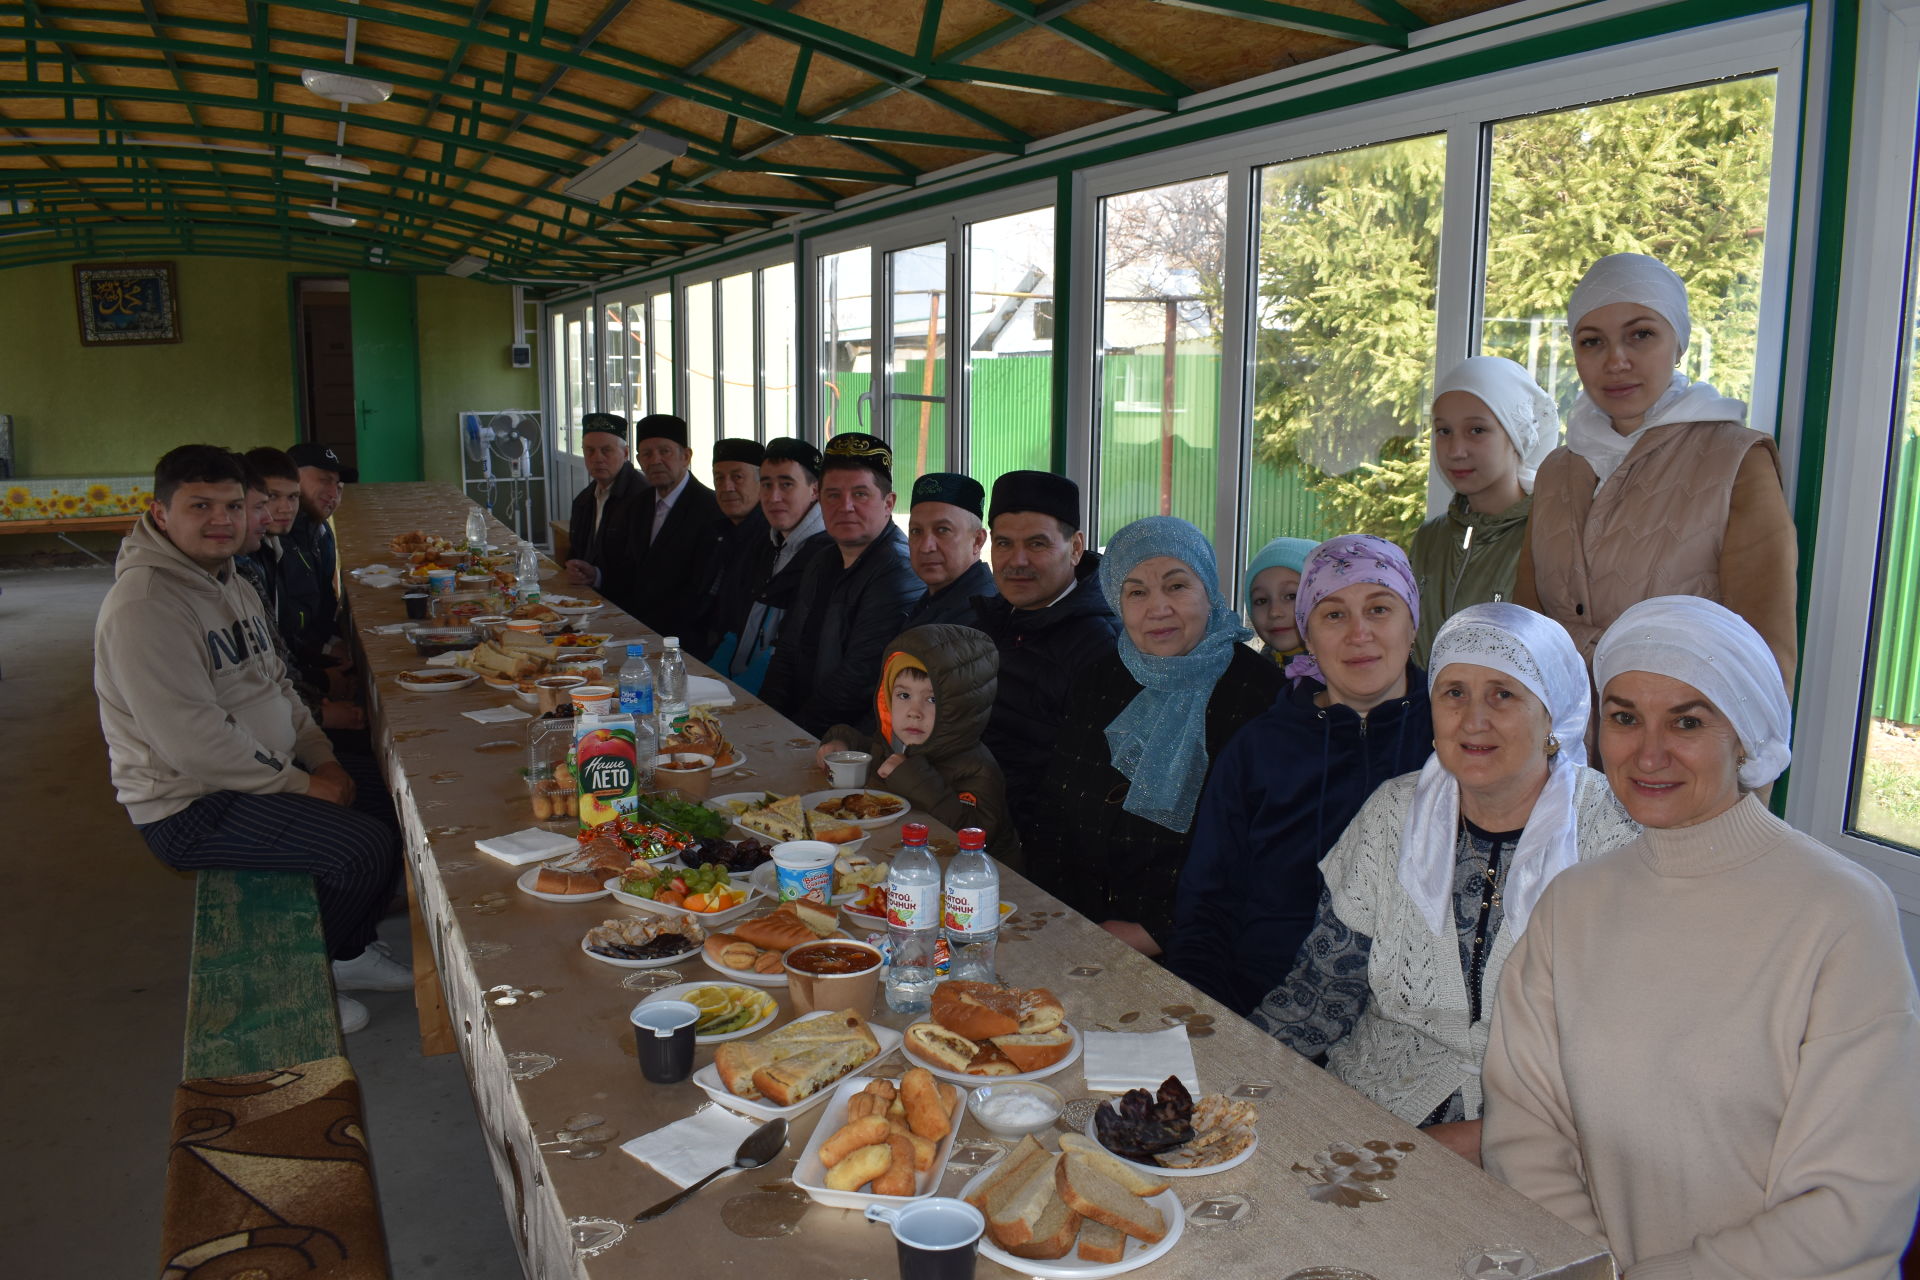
<point>852,596</point>
<point>671,523</point>
<point>1050,621</point>
<point>769,571</point>
<point>309,571</point>
<point>944,539</point>
<point>734,538</point>
<point>601,527</point>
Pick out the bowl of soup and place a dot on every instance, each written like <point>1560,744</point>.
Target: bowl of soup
<point>832,974</point>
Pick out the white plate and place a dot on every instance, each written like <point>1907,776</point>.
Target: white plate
<point>407,681</point>
<point>961,1077</point>
<point>1070,1267</point>
<point>525,882</point>
<point>1224,1165</point>
<point>711,921</point>
<point>811,1176</point>
<point>679,991</point>
<point>618,963</point>
<point>572,606</point>
<point>708,1078</point>
<point>722,770</point>
<point>814,799</point>
<point>765,979</point>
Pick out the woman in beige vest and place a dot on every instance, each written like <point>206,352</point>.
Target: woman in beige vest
<point>1660,489</point>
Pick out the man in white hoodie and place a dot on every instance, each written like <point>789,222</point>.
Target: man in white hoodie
<point>213,754</point>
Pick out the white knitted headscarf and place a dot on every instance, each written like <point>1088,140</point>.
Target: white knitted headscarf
<point>1536,651</point>
<point>1525,412</point>
<point>1714,649</point>
<point>1650,283</point>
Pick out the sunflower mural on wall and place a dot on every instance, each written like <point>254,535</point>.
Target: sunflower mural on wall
<point>68,499</point>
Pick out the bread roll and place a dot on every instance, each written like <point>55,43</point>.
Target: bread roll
<point>849,1138</point>
<point>775,931</point>
<point>860,1167</point>
<point>937,1045</point>
<point>1035,1052</point>
<point>898,1180</point>
<point>976,1010</point>
<point>1040,1010</point>
<point>925,1116</point>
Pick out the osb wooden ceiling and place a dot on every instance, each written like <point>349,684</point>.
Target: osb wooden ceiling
<point>132,128</point>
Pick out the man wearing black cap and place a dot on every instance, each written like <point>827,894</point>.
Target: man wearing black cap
<point>769,571</point>
<point>740,530</point>
<point>309,570</point>
<point>670,528</point>
<point>944,540</point>
<point>852,597</point>
<point>1050,621</point>
<point>601,526</point>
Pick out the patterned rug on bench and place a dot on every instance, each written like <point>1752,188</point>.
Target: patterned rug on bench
<point>268,1176</point>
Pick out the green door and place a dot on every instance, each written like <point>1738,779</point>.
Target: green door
<point>386,376</point>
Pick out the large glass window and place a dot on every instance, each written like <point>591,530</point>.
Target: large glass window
<point>1010,344</point>
<point>702,379</point>
<point>632,338</point>
<point>1158,378</point>
<point>577,380</point>
<point>920,313</point>
<point>664,397</point>
<point>846,341</point>
<point>776,350</point>
<point>1344,340</point>
<point>1683,176</point>
<point>736,356</point>
<point>614,343</point>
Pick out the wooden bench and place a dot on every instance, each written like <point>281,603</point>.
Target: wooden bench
<point>268,1156</point>
<point>60,527</point>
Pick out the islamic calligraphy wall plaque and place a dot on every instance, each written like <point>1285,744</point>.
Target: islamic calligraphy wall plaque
<point>123,303</point>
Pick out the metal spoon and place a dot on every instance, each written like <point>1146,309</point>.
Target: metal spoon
<point>762,1145</point>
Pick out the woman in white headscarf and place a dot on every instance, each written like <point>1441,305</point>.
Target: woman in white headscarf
<point>1492,424</point>
<point>1660,488</point>
<point>1433,882</point>
<point>1704,1051</point>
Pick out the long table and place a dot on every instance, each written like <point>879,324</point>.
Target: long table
<point>544,1033</point>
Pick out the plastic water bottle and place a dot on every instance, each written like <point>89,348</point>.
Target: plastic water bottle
<point>670,689</point>
<point>636,683</point>
<point>526,576</point>
<point>971,912</point>
<point>913,922</point>
<point>477,531</point>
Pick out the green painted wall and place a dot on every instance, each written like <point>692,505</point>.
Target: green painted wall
<point>466,327</point>
<point>114,410</point>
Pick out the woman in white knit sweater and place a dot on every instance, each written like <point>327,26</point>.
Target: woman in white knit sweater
<point>1705,1050</point>
<point>1431,884</point>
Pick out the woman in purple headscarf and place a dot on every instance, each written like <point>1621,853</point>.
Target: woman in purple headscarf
<point>1288,783</point>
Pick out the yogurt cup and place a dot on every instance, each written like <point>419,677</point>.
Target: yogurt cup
<point>804,869</point>
<point>593,700</point>
<point>440,581</point>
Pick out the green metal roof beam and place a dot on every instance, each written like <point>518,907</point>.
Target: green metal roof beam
<point>1394,12</point>
<point>1298,19</point>
<point>1051,17</point>
<point>1138,99</point>
<point>877,59</point>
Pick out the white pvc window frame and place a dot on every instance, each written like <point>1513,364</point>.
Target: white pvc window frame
<point>948,226</point>
<point>1869,351</point>
<point>723,362</point>
<point>1463,111</point>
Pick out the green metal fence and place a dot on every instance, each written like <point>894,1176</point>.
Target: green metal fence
<point>1896,670</point>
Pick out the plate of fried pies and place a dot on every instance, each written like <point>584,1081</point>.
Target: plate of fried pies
<point>753,950</point>
<point>984,1031</point>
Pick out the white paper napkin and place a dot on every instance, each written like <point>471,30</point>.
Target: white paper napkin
<point>1116,1061</point>
<point>688,1150</point>
<point>449,659</point>
<point>378,580</point>
<point>705,691</point>
<point>497,715</point>
<point>388,629</point>
<point>532,845</point>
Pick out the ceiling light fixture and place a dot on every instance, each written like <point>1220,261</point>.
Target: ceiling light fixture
<point>466,265</point>
<point>626,164</point>
<point>339,164</point>
<point>345,88</point>
<point>332,217</point>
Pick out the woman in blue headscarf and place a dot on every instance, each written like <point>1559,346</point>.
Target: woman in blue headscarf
<point>1142,730</point>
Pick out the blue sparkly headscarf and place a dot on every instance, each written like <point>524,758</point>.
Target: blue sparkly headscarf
<point>1159,741</point>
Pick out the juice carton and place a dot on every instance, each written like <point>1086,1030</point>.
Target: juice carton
<point>606,765</point>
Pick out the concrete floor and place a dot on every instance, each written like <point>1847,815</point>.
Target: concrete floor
<point>93,979</point>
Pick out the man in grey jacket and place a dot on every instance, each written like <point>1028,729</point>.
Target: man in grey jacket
<point>214,756</point>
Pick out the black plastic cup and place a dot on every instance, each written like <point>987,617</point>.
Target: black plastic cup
<point>663,1034</point>
<point>937,1239</point>
<point>416,602</point>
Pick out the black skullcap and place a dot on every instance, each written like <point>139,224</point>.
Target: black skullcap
<point>661,426</point>
<point>1041,491</point>
<point>794,449</point>
<point>310,454</point>
<point>736,449</point>
<point>611,423</point>
<point>951,488</point>
<point>858,449</point>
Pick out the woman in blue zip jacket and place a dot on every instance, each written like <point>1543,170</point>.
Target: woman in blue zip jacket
<point>1289,782</point>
